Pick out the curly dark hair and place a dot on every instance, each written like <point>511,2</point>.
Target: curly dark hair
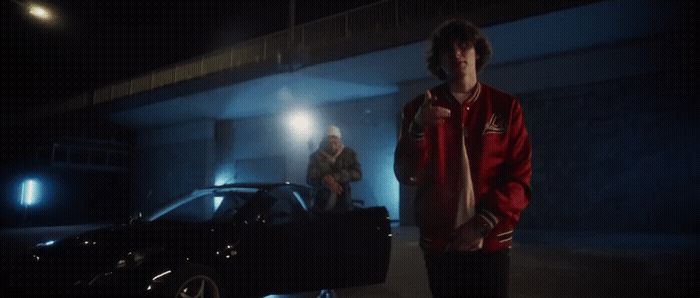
<point>463,31</point>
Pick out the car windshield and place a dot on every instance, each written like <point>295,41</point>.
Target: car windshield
<point>203,206</point>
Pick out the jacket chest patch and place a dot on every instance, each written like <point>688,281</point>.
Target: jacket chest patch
<point>496,125</point>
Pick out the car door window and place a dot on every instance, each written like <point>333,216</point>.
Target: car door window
<point>289,205</point>
<point>229,203</point>
<point>195,209</point>
<point>220,205</point>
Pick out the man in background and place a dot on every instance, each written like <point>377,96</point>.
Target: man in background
<point>331,169</point>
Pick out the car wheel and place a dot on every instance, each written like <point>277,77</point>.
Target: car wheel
<point>198,286</point>
<point>193,281</point>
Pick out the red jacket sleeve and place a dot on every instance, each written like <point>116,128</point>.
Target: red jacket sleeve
<point>411,147</point>
<point>511,194</point>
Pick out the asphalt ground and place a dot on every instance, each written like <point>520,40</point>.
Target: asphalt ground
<point>551,271</point>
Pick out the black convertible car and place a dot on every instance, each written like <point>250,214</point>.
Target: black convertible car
<point>235,240</point>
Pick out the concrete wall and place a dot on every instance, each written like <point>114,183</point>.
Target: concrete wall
<point>613,130</point>
<point>613,133</point>
<point>612,117</point>
<point>178,158</point>
<point>172,160</point>
<point>368,127</point>
<point>614,156</point>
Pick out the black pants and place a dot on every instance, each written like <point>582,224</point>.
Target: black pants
<point>342,202</point>
<point>469,274</point>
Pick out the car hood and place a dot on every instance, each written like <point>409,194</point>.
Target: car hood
<point>110,243</point>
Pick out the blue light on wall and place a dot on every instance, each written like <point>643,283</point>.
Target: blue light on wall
<point>30,192</point>
<point>390,191</point>
<point>223,176</point>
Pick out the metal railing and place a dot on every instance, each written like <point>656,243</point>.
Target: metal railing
<point>274,48</point>
<point>412,18</point>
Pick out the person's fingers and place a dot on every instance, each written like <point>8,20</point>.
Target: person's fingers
<point>337,188</point>
<point>436,115</point>
<point>441,112</point>
<point>431,115</point>
<point>428,98</point>
<point>476,245</point>
<point>328,179</point>
<point>467,246</point>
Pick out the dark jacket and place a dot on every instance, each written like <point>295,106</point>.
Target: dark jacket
<point>345,169</point>
<point>499,155</point>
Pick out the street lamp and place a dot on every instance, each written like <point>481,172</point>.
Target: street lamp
<point>301,124</point>
<point>40,12</point>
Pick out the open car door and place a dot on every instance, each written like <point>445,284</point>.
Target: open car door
<point>292,244</point>
<point>357,246</point>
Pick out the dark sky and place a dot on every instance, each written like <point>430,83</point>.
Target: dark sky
<point>93,43</point>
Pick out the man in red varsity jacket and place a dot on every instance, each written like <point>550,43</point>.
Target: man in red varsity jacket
<point>465,146</point>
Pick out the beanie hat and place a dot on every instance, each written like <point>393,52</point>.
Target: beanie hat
<point>334,131</point>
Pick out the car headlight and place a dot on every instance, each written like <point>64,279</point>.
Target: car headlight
<point>133,259</point>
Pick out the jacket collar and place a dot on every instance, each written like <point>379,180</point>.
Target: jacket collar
<point>444,89</point>
<point>332,158</point>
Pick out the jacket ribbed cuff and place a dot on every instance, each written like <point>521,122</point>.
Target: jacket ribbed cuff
<point>487,217</point>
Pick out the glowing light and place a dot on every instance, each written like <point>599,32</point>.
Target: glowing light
<point>224,176</point>
<point>47,243</point>
<point>301,124</point>
<point>217,202</point>
<point>300,200</point>
<point>29,194</point>
<point>40,12</point>
<point>161,275</point>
